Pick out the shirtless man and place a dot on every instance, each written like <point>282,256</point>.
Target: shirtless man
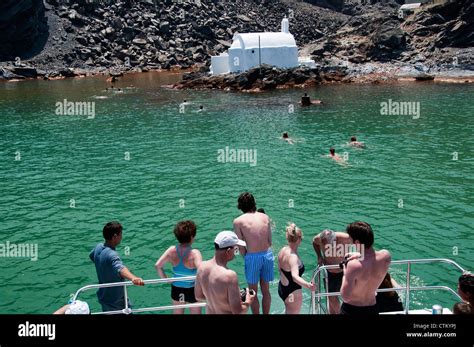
<point>255,229</point>
<point>329,246</point>
<point>355,143</point>
<point>218,285</point>
<point>363,277</point>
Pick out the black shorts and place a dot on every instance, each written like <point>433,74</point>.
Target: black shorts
<point>183,294</point>
<point>334,281</point>
<point>359,310</point>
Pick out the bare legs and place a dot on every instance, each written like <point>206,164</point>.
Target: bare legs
<point>293,302</point>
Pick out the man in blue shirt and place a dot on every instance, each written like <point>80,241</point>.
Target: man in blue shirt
<point>110,269</point>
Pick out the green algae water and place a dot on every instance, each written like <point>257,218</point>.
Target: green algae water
<point>146,164</point>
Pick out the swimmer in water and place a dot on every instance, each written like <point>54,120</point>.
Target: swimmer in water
<point>306,101</point>
<point>355,143</point>
<point>201,108</point>
<point>287,138</point>
<point>334,156</point>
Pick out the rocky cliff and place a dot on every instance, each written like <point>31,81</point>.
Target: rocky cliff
<point>22,24</point>
<point>103,35</point>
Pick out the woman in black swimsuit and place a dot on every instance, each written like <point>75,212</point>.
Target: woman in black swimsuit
<point>291,269</point>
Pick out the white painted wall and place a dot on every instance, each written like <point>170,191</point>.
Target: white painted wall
<point>276,48</point>
<point>220,64</point>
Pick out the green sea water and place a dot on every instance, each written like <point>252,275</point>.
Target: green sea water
<point>406,184</point>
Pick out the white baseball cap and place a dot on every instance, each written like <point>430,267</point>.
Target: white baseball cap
<point>228,239</point>
<point>78,307</point>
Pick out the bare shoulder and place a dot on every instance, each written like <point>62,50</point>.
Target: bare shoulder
<point>385,255</point>
<point>170,251</point>
<point>354,265</point>
<point>196,252</point>
<point>238,220</point>
<point>343,236</point>
<point>230,276</point>
<point>282,251</point>
<point>203,266</point>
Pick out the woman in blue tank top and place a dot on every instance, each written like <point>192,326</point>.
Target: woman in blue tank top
<point>184,260</point>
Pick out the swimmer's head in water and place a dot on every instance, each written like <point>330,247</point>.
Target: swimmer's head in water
<point>201,107</point>
<point>285,135</point>
<point>332,151</point>
<point>353,138</point>
<point>184,100</point>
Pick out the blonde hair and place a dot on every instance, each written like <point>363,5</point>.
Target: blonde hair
<point>293,233</point>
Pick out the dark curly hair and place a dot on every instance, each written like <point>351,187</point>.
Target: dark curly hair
<point>246,202</point>
<point>184,231</point>
<point>362,232</point>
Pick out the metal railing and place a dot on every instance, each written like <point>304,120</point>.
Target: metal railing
<point>128,309</point>
<point>316,297</point>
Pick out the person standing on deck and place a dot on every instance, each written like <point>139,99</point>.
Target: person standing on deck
<point>110,269</point>
<point>291,269</point>
<point>255,229</point>
<point>362,277</point>
<point>326,245</point>
<point>466,291</point>
<point>218,285</point>
<point>185,261</point>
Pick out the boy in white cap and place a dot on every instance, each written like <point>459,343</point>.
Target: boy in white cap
<point>219,286</point>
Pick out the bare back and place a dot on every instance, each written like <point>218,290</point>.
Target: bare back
<point>363,277</point>
<point>284,262</point>
<point>191,260</point>
<point>216,282</point>
<point>334,253</point>
<point>254,229</point>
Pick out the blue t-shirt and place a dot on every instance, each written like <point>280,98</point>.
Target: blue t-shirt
<point>108,266</point>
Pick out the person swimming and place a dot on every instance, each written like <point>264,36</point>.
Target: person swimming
<point>287,138</point>
<point>201,108</point>
<point>306,101</point>
<point>333,155</point>
<point>356,143</point>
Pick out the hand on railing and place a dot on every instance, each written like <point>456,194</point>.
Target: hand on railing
<point>311,286</point>
<point>138,281</point>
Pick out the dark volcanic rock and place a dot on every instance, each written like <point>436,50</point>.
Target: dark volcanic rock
<point>264,78</point>
<point>388,42</point>
<point>22,22</point>
<point>25,71</point>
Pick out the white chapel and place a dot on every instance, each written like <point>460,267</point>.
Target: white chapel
<point>251,49</point>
